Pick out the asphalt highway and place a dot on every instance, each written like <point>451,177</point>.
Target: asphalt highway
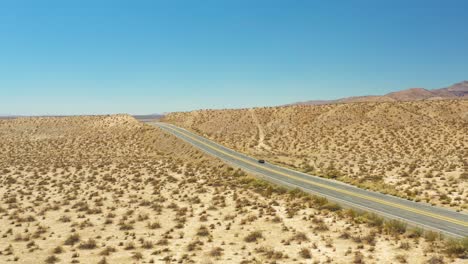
<point>448,222</point>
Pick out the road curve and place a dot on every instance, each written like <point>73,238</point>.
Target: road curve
<point>442,220</point>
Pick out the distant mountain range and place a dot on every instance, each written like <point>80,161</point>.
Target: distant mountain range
<point>8,117</point>
<point>456,91</point>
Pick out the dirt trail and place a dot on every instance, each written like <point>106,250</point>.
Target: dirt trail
<point>261,132</point>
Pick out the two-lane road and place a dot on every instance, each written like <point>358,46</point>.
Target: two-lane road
<point>417,214</point>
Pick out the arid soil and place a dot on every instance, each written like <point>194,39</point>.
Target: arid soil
<point>416,150</point>
<point>108,189</point>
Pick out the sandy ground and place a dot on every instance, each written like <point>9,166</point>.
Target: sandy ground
<point>108,189</point>
<point>415,150</point>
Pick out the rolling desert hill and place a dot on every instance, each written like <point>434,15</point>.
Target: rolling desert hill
<point>455,91</point>
<point>416,150</point>
<point>109,189</point>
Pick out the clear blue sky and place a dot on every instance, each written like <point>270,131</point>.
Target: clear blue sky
<point>96,57</point>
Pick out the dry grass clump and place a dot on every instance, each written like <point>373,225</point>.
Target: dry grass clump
<point>153,225</point>
<point>108,251</point>
<point>89,244</point>
<point>457,247</point>
<point>108,189</point>
<point>271,254</point>
<point>305,253</point>
<point>52,259</point>
<point>216,252</point>
<point>253,236</point>
<point>72,240</point>
<point>395,227</point>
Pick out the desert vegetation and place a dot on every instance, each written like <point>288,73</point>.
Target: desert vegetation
<point>415,150</point>
<point>108,189</point>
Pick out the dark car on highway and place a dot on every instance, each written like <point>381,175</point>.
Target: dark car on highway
<point>261,161</point>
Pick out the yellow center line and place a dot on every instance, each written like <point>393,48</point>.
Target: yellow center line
<point>448,219</point>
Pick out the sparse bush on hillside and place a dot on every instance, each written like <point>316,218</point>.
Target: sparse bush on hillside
<point>216,252</point>
<point>395,227</point>
<point>253,236</point>
<point>305,253</point>
<point>89,244</point>
<point>457,247</point>
<point>72,240</point>
<point>52,259</point>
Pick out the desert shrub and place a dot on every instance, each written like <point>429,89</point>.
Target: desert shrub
<point>345,235</point>
<point>203,231</point>
<point>107,251</point>
<point>65,219</point>
<point>28,218</point>
<point>457,247</point>
<point>89,244</point>
<point>216,252</point>
<point>300,237</point>
<point>401,258</point>
<point>464,175</point>
<point>319,201</point>
<point>163,242</point>
<point>147,245</point>
<point>305,253</point>
<point>143,217</point>
<point>395,227</point>
<point>51,259</point>
<point>253,236</point>
<point>72,240</point>
<point>405,245</point>
<point>58,250</point>
<point>331,206</point>
<point>436,260</point>
<point>270,253</point>
<point>370,238</point>
<point>137,255</point>
<point>125,225</point>
<point>296,193</point>
<point>276,219</point>
<point>291,211</point>
<point>103,261</point>
<point>374,220</point>
<point>329,242</point>
<point>415,233</point>
<point>194,245</point>
<point>31,244</point>
<point>321,226</point>
<point>358,258</point>
<point>129,246</point>
<point>431,236</point>
<point>153,225</point>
